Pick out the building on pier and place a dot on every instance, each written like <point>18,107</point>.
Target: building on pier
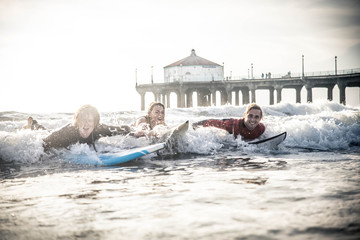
<point>192,69</point>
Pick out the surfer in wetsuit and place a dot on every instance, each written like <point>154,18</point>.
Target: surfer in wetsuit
<point>86,128</point>
<point>249,127</point>
<point>33,125</point>
<point>144,126</point>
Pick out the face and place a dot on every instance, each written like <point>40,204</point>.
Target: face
<point>86,126</point>
<point>157,115</point>
<point>252,119</point>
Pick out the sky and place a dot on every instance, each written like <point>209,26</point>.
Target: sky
<point>56,55</point>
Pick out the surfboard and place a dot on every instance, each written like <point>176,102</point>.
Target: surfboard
<point>109,159</point>
<point>270,142</point>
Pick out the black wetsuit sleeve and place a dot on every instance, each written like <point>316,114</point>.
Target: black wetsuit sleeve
<point>69,135</point>
<point>61,138</point>
<point>107,131</point>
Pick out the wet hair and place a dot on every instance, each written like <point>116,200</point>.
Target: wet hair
<point>84,111</point>
<point>253,106</point>
<point>152,105</point>
<point>30,119</point>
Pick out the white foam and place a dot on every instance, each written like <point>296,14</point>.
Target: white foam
<point>322,125</point>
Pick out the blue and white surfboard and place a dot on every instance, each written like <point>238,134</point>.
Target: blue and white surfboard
<point>108,159</point>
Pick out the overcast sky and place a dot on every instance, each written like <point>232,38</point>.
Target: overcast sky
<point>56,55</point>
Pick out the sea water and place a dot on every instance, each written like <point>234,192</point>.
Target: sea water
<point>216,187</point>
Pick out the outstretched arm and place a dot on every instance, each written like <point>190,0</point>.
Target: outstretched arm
<point>61,138</point>
<point>226,124</point>
<point>199,124</point>
<point>105,130</point>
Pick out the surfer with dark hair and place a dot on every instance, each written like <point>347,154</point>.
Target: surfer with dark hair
<point>144,126</point>
<point>249,127</point>
<point>86,128</point>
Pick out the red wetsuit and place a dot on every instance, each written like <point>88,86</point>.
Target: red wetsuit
<point>236,127</point>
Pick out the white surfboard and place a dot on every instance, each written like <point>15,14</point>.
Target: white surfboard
<point>270,142</point>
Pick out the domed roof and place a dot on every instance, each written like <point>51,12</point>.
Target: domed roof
<point>192,60</point>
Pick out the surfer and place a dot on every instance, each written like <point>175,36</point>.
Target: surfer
<point>86,128</point>
<point>33,125</point>
<point>150,124</point>
<point>249,127</point>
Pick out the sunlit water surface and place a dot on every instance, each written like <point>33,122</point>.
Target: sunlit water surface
<point>215,188</point>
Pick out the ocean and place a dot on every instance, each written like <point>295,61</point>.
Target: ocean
<point>216,187</point>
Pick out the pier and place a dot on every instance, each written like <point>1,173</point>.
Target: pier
<point>206,91</point>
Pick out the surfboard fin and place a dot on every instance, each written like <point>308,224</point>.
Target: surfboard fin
<point>172,143</point>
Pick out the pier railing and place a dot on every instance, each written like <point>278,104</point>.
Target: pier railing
<point>276,75</point>
<point>297,74</point>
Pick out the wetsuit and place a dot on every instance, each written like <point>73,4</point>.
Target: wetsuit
<point>36,126</point>
<point>234,126</point>
<point>69,135</point>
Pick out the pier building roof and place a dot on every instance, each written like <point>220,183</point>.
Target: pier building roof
<point>192,60</point>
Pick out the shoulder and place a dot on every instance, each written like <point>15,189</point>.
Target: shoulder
<point>67,129</point>
<point>261,126</point>
<point>140,120</point>
<point>260,129</point>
